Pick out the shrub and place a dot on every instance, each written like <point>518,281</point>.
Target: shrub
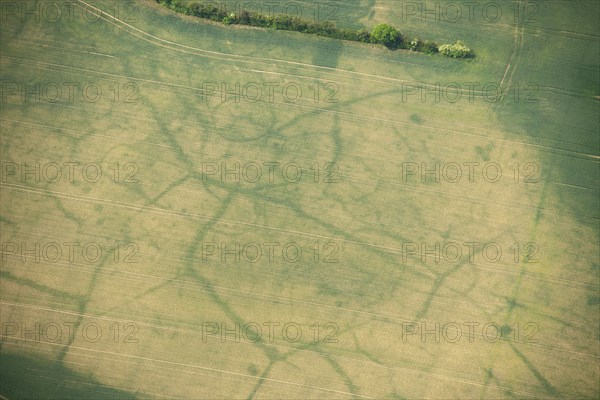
<point>415,44</point>
<point>244,17</point>
<point>208,11</point>
<point>363,35</point>
<point>328,28</point>
<point>347,34</point>
<point>456,50</point>
<point>387,35</point>
<point>429,48</point>
<point>258,20</point>
<point>230,19</point>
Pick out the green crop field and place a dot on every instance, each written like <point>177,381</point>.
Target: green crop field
<point>191,210</point>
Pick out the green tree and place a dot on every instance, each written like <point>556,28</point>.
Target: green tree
<point>387,35</point>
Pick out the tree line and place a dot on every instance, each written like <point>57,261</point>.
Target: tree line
<point>383,34</point>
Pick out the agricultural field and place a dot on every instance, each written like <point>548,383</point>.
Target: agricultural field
<point>191,210</point>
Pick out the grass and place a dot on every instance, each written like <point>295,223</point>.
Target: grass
<point>172,212</point>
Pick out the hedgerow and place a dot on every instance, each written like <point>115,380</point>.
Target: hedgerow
<point>384,34</point>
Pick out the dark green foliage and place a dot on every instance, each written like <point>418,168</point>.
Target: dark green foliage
<point>429,48</point>
<point>244,17</point>
<point>386,35</point>
<point>363,35</point>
